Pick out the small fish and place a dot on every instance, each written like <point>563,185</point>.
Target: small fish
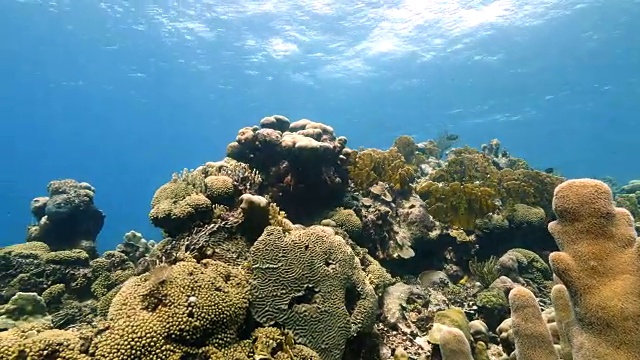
<point>549,170</point>
<point>452,137</point>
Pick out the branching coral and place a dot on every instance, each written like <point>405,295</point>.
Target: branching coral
<point>407,147</point>
<point>477,174</point>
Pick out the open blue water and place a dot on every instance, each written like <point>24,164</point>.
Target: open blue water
<point>123,93</point>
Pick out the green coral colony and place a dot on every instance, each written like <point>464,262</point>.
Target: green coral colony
<point>295,246</point>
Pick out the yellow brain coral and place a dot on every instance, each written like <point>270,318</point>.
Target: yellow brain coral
<point>311,282</point>
<point>38,342</point>
<point>176,310</point>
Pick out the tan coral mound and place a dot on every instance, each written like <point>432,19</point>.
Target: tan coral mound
<point>311,282</point>
<point>39,342</point>
<point>184,309</point>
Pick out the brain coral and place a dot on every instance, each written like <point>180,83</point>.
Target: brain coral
<point>175,311</point>
<point>310,281</point>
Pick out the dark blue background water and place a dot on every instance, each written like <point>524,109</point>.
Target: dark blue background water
<point>122,99</point>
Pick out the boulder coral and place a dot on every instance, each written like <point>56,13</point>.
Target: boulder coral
<point>188,199</point>
<point>311,282</point>
<point>67,218</point>
<point>174,311</point>
<point>302,163</point>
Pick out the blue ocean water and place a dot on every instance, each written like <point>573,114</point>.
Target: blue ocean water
<point>123,93</point>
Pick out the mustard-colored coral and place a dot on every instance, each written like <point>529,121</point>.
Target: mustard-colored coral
<point>108,280</point>
<point>32,247</point>
<point>311,282</point>
<point>219,189</point>
<point>187,200</point>
<point>271,344</point>
<point>371,166</point>
<point>67,257</point>
<point>467,165</point>
<point>449,318</point>
<point>53,294</point>
<point>407,147</point>
<point>278,217</point>
<point>177,207</point>
<point>529,187</point>
<point>474,173</point>
<point>458,204</point>
<point>174,311</point>
<point>348,221</point>
<point>38,342</point>
<point>521,215</point>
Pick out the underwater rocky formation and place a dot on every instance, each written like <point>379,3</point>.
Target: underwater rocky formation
<point>295,246</point>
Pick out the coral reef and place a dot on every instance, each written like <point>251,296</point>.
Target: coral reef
<point>370,166</point>
<point>296,247</point>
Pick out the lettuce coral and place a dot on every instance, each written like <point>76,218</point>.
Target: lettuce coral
<point>458,204</point>
<point>371,166</point>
